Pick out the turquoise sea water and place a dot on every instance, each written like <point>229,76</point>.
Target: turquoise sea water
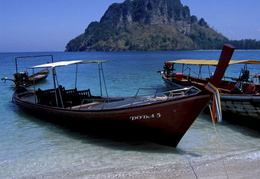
<point>35,148</point>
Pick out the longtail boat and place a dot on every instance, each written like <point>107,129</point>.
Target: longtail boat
<point>239,96</point>
<point>23,78</point>
<point>169,114</point>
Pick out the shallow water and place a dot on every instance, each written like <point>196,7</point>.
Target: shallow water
<point>34,148</point>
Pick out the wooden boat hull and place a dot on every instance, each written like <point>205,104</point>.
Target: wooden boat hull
<point>243,105</point>
<point>38,77</point>
<point>170,119</point>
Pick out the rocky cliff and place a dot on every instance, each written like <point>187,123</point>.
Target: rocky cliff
<point>147,25</point>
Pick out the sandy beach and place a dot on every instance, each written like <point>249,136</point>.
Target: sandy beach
<point>234,169</point>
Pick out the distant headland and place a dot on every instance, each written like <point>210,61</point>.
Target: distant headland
<point>151,25</point>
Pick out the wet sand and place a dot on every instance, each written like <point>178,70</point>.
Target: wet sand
<point>234,169</point>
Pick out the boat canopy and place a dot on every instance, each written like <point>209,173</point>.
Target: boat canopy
<point>210,62</point>
<point>65,63</point>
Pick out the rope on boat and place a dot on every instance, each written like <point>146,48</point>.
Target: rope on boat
<point>193,169</point>
<point>220,151</point>
<point>216,113</point>
<point>219,147</point>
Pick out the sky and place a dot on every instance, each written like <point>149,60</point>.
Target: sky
<point>48,25</point>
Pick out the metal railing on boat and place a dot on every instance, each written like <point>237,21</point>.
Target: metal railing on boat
<point>137,100</point>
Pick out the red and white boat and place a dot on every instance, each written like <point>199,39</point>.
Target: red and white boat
<point>168,114</point>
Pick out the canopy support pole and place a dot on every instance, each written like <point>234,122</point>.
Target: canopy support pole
<point>76,78</point>
<point>104,79</point>
<point>54,84</point>
<point>100,82</point>
<point>55,88</point>
<point>101,75</point>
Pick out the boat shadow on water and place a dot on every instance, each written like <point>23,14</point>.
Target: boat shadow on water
<point>242,122</point>
<point>238,121</point>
